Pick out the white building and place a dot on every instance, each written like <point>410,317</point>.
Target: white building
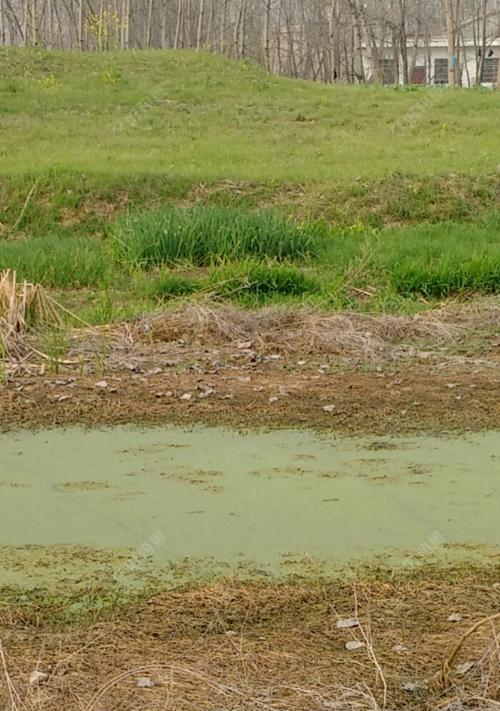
<point>430,63</point>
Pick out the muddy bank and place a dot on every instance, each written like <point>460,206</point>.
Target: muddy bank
<point>396,399</point>
<point>274,367</point>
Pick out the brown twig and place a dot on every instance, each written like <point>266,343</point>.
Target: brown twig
<point>444,675</point>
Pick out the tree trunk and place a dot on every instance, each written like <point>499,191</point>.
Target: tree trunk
<point>278,37</point>
<point>25,23</point>
<point>238,29</point>
<point>178,27</point>
<point>148,25</point>
<point>222,32</point>
<point>267,36</point>
<point>404,42</point>
<point>452,43</point>
<point>201,11</point>
<point>163,25</point>
<point>333,42</point>
<point>80,26</point>
<point>2,23</point>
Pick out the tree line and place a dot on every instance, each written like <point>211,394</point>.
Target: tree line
<point>323,40</point>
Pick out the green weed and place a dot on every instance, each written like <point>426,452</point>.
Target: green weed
<point>168,284</point>
<point>55,345</point>
<point>260,281</point>
<point>205,235</point>
<point>56,262</point>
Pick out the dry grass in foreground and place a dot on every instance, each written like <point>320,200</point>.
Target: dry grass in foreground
<point>422,642</point>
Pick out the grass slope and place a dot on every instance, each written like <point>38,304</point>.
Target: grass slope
<point>203,117</point>
<point>393,193</point>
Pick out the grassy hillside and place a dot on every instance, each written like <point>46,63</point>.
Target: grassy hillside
<point>361,197</point>
<point>205,118</point>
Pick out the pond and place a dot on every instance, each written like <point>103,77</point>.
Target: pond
<point>126,503</point>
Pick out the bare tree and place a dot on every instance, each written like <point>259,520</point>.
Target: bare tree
<point>325,40</point>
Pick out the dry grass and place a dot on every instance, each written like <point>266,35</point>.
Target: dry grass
<point>305,331</point>
<point>249,647</point>
<point>22,305</point>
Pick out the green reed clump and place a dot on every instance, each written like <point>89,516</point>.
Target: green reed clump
<point>169,284</point>
<point>57,262</point>
<point>479,274</point>
<point>433,260</point>
<point>442,260</point>
<point>260,280</point>
<point>204,236</point>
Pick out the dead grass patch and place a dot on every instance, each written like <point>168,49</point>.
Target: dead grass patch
<point>248,646</point>
<point>302,330</point>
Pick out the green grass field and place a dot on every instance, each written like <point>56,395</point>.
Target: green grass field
<point>203,117</point>
<point>127,179</point>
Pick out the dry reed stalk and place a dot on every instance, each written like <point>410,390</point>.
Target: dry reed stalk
<point>22,305</point>
<point>446,669</point>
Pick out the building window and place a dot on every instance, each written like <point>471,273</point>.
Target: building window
<point>419,75</point>
<point>440,71</point>
<point>387,67</point>
<point>490,70</point>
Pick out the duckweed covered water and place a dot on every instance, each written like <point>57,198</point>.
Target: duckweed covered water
<point>129,503</point>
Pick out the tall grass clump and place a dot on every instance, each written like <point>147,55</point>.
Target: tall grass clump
<point>442,260</point>
<point>260,280</point>
<point>168,284</point>
<point>204,236</point>
<point>449,277</point>
<point>57,262</point>
<point>432,260</point>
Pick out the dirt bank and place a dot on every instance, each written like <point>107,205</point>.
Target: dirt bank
<point>397,400</point>
<point>273,367</point>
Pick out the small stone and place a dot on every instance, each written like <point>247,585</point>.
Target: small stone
<point>354,645</point>
<point>455,617</point>
<point>102,385</point>
<point>329,408</point>
<point>347,623</point>
<point>144,682</point>
<point>186,397</point>
<point>273,398</point>
<point>400,648</point>
<point>411,686</point>
<point>38,677</point>
<point>206,393</point>
<point>464,668</point>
